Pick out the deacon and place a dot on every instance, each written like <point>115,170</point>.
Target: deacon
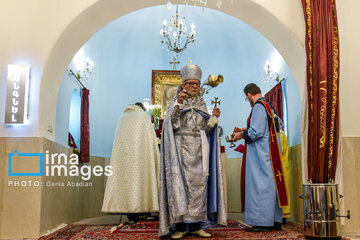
<point>191,184</point>
<point>133,187</point>
<point>265,190</point>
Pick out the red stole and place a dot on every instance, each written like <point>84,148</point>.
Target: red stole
<point>275,157</point>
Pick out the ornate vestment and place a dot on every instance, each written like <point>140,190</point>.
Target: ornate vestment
<point>133,186</point>
<point>191,180</point>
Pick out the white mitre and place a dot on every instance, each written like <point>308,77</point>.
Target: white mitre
<point>191,71</point>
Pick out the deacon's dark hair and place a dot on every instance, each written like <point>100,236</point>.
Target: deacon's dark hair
<point>141,105</point>
<point>252,88</point>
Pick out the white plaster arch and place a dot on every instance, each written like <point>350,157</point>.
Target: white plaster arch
<point>92,19</point>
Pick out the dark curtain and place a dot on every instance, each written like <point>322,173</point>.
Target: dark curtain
<point>274,96</point>
<point>322,53</point>
<point>85,131</point>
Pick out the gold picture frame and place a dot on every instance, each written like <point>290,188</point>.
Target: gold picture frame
<point>163,87</point>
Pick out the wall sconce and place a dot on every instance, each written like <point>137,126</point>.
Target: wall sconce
<point>271,77</point>
<point>85,74</point>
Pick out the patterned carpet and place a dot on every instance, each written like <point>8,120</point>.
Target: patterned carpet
<point>149,230</point>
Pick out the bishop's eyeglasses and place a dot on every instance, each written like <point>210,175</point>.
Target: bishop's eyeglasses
<point>192,84</point>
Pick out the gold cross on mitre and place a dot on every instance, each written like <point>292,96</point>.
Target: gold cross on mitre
<point>279,175</point>
<point>216,102</point>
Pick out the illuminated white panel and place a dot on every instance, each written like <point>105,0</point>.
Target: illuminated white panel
<point>17,97</point>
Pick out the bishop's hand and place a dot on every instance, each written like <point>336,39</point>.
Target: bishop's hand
<point>216,112</point>
<point>181,97</point>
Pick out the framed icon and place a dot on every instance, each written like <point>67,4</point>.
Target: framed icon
<point>163,87</point>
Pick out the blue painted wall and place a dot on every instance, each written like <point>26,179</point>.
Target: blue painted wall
<point>126,51</point>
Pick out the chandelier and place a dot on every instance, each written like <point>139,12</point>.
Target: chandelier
<point>175,37</point>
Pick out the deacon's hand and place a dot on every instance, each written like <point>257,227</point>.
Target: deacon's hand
<point>237,136</point>
<point>216,112</point>
<point>181,97</point>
